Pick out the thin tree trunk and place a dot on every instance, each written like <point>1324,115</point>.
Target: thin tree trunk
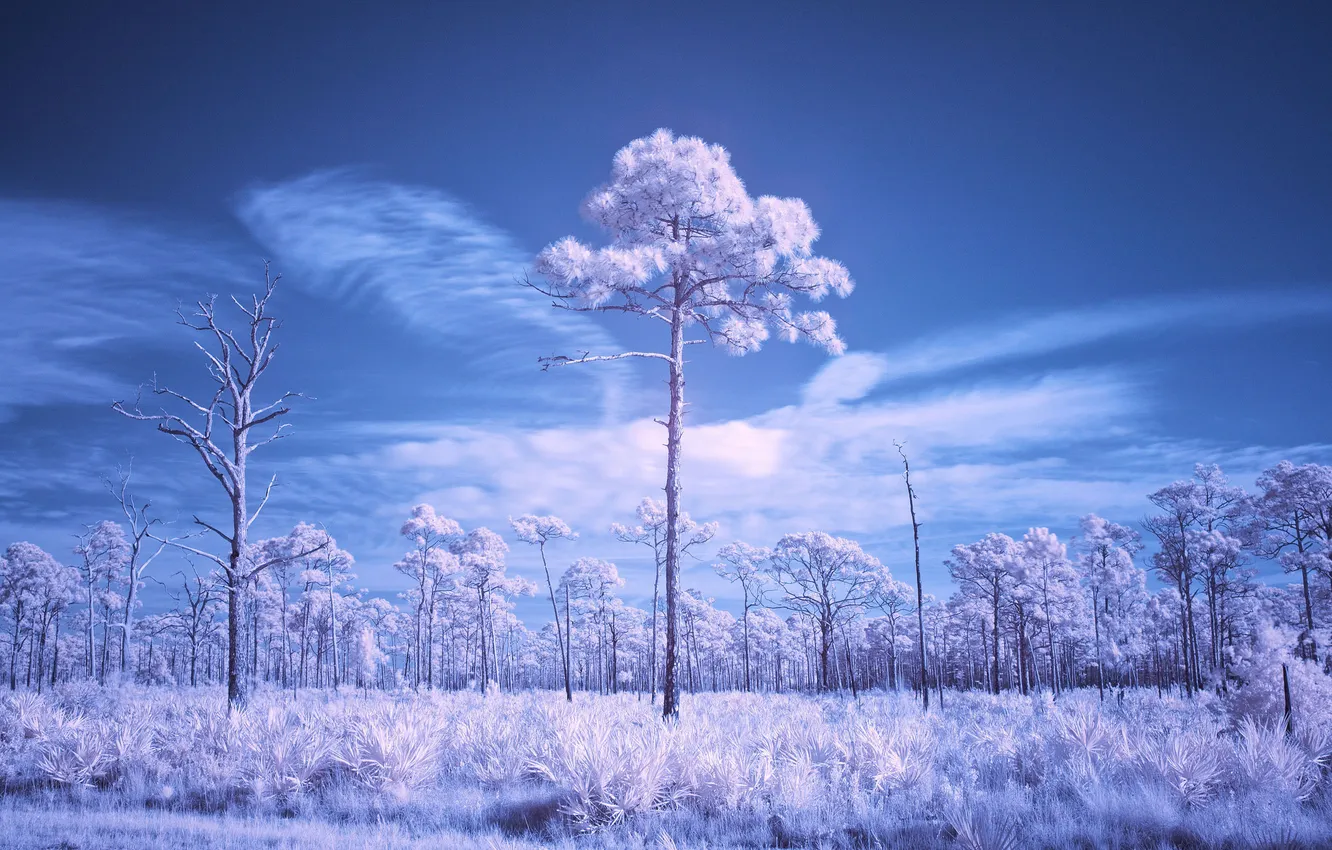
<point>559,635</point>
<point>55,650</point>
<point>746,631</point>
<point>995,627</point>
<point>920,592</point>
<point>1096,627</point>
<point>333,622</point>
<point>670,697</point>
<point>127,622</point>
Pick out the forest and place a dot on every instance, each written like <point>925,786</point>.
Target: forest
<point>1135,684</point>
<point>818,613</point>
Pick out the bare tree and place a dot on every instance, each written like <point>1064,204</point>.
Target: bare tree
<point>920,599</point>
<point>222,437</point>
<point>194,614</point>
<point>139,557</point>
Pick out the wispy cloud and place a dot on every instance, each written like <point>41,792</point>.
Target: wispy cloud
<point>76,281</point>
<point>993,456</point>
<point>792,468</point>
<point>439,268</point>
<point>1009,338</point>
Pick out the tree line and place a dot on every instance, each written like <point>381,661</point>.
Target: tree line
<point>816,611</point>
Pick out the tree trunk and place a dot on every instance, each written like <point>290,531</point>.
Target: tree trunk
<point>1096,627</point>
<point>568,642</point>
<point>559,636</point>
<point>994,625</point>
<point>333,622</point>
<point>41,651</point>
<point>55,650</point>
<point>652,651</point>
<point>920,591</point>
<point>128,622</point>
<point>13,648</point>
<point>670,695</point>
<point>236,689</point>
<point>746,631</point>
<point>1049,630</point>
<point>1308,607</point>
<point>92,639</point>
<point>481,628</point>
<point>825,635</point>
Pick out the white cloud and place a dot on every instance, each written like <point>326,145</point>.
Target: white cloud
<point>1007,338</point>
<point>795,467</point>
<point>440,269</point>
<point>78,281</point>
<point>846,378</point>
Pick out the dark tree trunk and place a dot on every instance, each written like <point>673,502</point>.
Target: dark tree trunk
<point>670,691</point>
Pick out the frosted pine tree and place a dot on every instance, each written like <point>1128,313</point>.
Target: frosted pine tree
<point>690,248</point>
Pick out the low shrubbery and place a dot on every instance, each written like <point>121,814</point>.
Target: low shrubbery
<point>986,772</point>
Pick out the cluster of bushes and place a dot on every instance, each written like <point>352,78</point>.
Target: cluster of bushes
<point>981,773</point>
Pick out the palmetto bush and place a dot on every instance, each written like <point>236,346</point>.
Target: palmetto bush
<point>608,760</point>
<point>894,757</point>
<point>610,769</point>
<point>974,829</point>
<point>72,750</point>
<point>488,746</point>
<point>392,751</point>
<point>283,752</point>
<point>1090,743</point>
<point>1188,765</point>
<point>1267,759</point>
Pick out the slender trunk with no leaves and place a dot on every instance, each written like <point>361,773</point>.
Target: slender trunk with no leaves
<point>1096,626</point>
<point>746,630</point>
<point>995,626</point>
<point>670,690</point>
<point>236,691</point>
<point>333,622</point>
<point>652,651</point>
<point>559,636</point>
<point>920,593</point>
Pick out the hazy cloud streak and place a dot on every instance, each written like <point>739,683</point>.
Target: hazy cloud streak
<point>1014,338</point>
<point>78,282</point>
<point>440,269</point>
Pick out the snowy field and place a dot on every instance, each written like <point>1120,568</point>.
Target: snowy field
<point>94,768</point>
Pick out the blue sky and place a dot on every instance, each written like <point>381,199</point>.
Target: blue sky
<point>1091,245</point>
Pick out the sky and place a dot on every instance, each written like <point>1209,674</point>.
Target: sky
<point>1091,245</point>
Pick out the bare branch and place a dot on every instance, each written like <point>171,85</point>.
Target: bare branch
<point>268,491</point>
<point>225,537</point>
<point>221,562</point>
<point>302,554</point>
<point>585,357</point>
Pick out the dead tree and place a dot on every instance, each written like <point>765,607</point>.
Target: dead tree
<point>222,435</point>
<point>140,527</point>
<point>920,595</point>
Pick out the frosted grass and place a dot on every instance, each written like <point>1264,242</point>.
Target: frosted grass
<point>736,770</point>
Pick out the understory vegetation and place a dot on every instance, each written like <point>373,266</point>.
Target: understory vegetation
<point>736,770</point>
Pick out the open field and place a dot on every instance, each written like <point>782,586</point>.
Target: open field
<point>94,768</point>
